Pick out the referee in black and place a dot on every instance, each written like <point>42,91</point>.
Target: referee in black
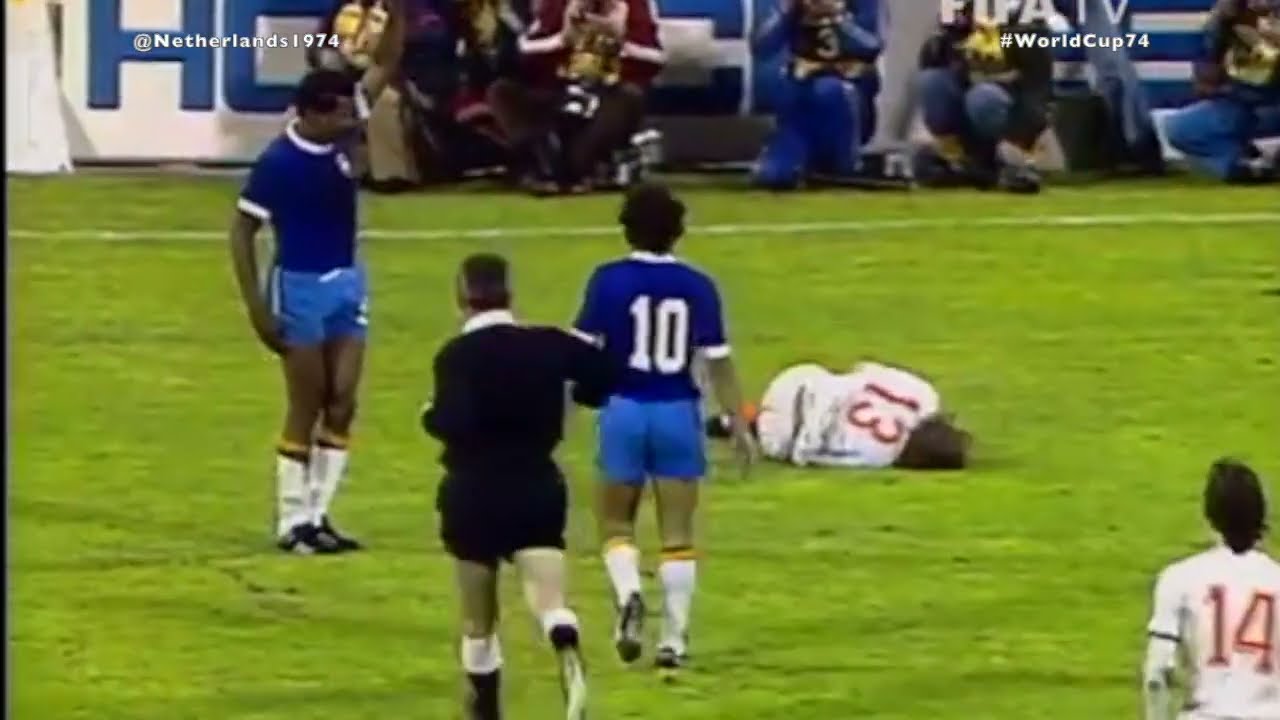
<point>498,410</point>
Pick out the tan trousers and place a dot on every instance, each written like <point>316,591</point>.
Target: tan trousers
<point>388,152</point>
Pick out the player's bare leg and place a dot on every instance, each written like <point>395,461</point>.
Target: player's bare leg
<point>676,502</point>
<point>616,512</point>
<point>344,362</point>
<point>304,379</point>
<point>542,572</point>
<point>481,651</point>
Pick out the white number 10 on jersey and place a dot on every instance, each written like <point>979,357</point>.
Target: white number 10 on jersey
<point>661,339</point>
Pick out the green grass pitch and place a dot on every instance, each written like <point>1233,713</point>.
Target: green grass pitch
<point>1101,363</point>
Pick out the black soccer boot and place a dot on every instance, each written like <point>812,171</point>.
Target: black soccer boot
<point>668,662</point>
<point>331,536</point>
<point>306,539</point>
<point>630,627</point>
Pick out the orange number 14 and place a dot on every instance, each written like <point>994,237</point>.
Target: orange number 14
<point>1254,634</point>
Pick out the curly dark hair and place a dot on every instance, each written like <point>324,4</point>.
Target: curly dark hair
<point>652,218</point>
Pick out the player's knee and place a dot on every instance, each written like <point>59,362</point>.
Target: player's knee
<point>339,413</point>
<point>988,107</point>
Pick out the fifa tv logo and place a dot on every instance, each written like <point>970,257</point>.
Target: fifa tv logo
<point>1026,12</point>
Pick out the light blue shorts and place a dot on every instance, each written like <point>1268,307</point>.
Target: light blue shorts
<point>642,440</point>
<point>316,307</point>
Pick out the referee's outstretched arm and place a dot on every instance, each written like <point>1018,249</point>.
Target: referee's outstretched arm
<point>593,372</point>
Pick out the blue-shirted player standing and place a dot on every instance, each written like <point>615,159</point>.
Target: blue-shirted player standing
<point>314,315</point>
<point>654,313</point>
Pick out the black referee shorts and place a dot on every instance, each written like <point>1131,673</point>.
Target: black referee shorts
<point>486,522</point>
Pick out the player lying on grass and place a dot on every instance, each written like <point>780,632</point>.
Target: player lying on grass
<point>316,318</point>
<point>874,416</point>
<point>1218,608</point>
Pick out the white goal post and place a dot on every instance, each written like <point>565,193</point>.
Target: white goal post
<point>35,138</point>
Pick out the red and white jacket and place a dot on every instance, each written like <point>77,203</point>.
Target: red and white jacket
<point>546,48</point>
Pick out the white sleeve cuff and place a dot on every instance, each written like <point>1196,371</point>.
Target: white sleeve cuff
<point>716,352</point>
<point>253,209</point>
<point>361,100</point>
<point>586,337</point>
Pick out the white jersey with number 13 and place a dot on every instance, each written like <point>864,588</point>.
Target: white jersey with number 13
<point>863,418</point>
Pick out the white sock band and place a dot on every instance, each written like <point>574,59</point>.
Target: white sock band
<point>623,563</point>
<point>481,656</point>
<point>560,617</point>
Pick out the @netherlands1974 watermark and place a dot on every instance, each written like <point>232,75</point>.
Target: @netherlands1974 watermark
<point>147,41</point>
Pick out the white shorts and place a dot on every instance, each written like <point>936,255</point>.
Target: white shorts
<point>778,421</point>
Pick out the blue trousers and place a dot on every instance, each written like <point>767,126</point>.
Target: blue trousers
<point>821,125</point>
<point>979,115</point>
<point>1117,76</point>
<point>1215,133</point>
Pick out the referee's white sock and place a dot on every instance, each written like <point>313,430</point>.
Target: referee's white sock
<point>679,573</point>
<point>293,505</point>
<point>561,628</point>
<point>328,468</point>
<point>482,660</point>
<point>622,559</point>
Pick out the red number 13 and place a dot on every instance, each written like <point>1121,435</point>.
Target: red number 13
<point>1253,635</point>
<point>886,428</point>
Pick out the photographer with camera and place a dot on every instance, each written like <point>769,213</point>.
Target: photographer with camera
<point>588,65</point>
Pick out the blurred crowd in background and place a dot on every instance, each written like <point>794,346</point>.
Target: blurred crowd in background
<point>550,94</point>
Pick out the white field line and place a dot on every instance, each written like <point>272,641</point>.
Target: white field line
<point>797,228</point>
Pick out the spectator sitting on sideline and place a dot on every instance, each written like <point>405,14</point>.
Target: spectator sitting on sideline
<point>421,130</point>
<point>1240,84</point>
<point>985,105</point>
<point>588,64</point>
<point>826,95</point>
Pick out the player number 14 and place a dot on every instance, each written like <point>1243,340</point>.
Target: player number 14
<point>1252,635</point>
<point>661,335</point>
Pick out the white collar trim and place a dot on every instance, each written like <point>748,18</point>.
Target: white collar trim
<point>650,257</point>
<point>303,144</point>
<point>488,318</point>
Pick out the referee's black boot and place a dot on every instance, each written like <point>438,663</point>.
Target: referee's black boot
<point>331,536</point>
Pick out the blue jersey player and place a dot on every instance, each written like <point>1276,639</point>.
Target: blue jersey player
<point>314,312</point>
<point>653,313</point>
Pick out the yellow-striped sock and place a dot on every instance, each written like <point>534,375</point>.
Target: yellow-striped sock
<point>622,560</point>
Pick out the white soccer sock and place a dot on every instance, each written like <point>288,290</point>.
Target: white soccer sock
<point>292,494</point>
<point>328,468</point>
<point>481,656</point>
<point>560,617</point>
<point>622,559</point>
<point>679,578</point>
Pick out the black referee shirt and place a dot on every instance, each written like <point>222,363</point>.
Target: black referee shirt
<point>499,399</point>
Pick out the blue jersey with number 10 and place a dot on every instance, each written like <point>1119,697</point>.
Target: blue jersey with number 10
<point>653,312</point>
